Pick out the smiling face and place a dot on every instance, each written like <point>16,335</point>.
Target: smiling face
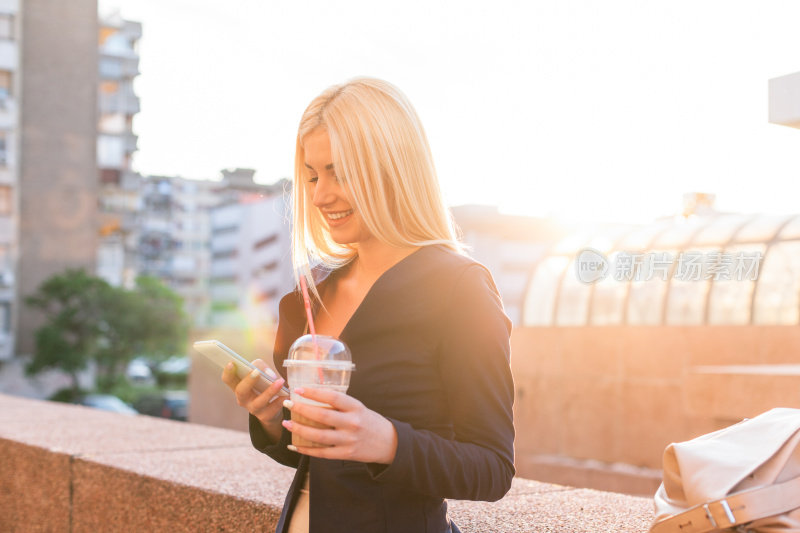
<point>324,189</point>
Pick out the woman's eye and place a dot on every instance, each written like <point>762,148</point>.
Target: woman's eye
<point>313,179</point>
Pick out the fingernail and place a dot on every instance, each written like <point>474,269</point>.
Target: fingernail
<point>300,391</point>
<point>288,404</point>
<point>255,373</point>
<point>270,373</point>
<point>291,447</point>
<point>229,366</point>
<point>287,424</point>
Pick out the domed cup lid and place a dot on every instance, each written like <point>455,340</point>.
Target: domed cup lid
<point>320,350</point>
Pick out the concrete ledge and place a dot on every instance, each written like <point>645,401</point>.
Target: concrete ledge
<point>716,390</point>
<point>70,468</point>
<point>614,477</point>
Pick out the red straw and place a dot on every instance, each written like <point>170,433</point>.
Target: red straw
<point>310,318</point>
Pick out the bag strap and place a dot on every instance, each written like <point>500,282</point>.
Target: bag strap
<point>739,508</point>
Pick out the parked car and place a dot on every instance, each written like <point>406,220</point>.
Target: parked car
<point>173,373</point>
<point>139,371</point>
<point>167,404</point>
<point>178,364</point>
<point>107,402</point>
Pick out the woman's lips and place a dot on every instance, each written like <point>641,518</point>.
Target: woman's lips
<point>338,218</point>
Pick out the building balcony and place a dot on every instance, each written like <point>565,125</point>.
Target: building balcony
<point>131,143</point>
<point>117,66</point>
<point>8,230</point>
<point>9,55</point>
<point>9,6</point>
<point>125,102</point>
<point>7,176</point>
<point>107,471</point>
<point>6,346</point>
<point>8,113</point>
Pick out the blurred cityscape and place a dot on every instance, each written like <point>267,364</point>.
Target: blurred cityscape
<point>608,372</point>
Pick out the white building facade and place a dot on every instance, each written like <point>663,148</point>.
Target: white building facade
<point>251,267</point>
<point>120,198</point>
<point>174,234</point>
<point>9,171</point>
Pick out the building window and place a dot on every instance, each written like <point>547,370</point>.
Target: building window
<point>6,200</point>
<point>225,254</point>
<point>6,26</point>
<point>113,123</point>
<point>224,229</point>
<point>272,265</point>
<point>5,317</point>
<point>5,264</point>
<point>223,280</point>
<point>267,295</point>
<point>5,86</point>
<point>110,151</point>
<point>265,241</point>
<point>110,68</point>
<point>110,176</point>
<point>109,87</point>
<point>3,149</point>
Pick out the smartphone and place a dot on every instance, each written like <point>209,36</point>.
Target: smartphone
<point>222,355</point>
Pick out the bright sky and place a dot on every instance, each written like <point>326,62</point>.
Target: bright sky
<point>573,108</point>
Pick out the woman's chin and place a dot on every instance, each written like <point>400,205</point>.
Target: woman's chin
<point>343,239</point>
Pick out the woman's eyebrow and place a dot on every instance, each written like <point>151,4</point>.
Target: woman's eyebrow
<point>329,166</point>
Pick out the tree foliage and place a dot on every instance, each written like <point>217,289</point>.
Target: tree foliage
<point>86,319</point>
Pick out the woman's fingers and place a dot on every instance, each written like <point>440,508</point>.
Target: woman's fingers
<point>264,367</point>
<point>328,437</point>
<point>355,433</point>
<point>315,413</point>
<point>323,452</point>
<point>229,376</point>
<point>338,400</point>
<point>268,396</point>
<point>244,389</point>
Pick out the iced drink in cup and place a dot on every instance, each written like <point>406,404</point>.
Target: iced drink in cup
<point>320,362</point>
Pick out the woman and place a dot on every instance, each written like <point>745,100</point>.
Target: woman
<point>428,414</point>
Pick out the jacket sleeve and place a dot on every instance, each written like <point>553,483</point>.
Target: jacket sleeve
<point>284,336</point>
<point>474,361</point>
<point>277,450</point>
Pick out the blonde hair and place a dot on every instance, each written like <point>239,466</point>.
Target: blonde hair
<point>382,158</point>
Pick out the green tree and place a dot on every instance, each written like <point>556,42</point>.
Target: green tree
<point>72,306</point>
<point>148,320</point>
<point>86,319</point>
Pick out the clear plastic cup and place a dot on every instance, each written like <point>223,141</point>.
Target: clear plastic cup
<point>321,362</point>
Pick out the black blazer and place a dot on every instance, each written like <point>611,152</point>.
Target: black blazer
<point>430,343</point>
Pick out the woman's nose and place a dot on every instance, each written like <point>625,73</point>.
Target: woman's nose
<point>323,192</point>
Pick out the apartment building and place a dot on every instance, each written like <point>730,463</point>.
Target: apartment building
<point>53,172</point>
<point>120,187</point>
<point>201,236</point>
<point>48,167</point>
<point>173,236</point>
<point>9,168</point>
<point>251,265</point>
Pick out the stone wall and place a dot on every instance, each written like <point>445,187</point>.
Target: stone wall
<point>71,468</point>
<point>596,406</point>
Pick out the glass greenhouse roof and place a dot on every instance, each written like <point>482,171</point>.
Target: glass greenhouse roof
<point>720,270</point>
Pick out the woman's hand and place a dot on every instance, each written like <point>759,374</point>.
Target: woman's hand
<point>267,406</point>
<point>357,434</point>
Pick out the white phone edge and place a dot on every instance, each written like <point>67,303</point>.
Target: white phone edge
<point>213,349</point>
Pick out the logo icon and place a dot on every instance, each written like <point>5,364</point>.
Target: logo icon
<point>591,265</point>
